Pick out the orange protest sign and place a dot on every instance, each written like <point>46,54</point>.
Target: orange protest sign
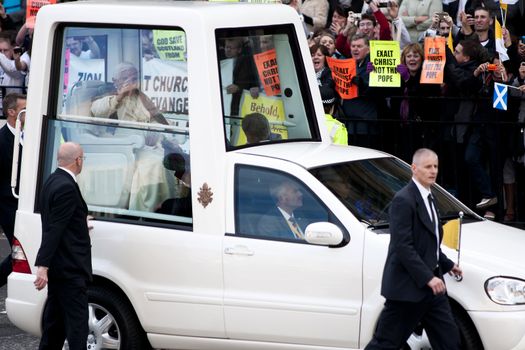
<point>266,63</point>
<point>32,8</point>
<point>342,72</point>
<point>434,64</point>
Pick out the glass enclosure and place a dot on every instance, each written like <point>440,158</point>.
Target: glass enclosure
<point>122,94</point>
<point>265,95</point>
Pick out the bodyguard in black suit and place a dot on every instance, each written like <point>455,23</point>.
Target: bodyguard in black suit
<point>64,257</point>
<point>12,105</point>
<point>413,275</point>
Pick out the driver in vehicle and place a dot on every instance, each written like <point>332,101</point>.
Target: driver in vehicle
<point>280,221</point>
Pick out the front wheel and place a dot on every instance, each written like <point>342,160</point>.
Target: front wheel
<point>470,339</point>
<point>112,322</point>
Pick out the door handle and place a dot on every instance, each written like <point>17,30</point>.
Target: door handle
<point>239,250</point>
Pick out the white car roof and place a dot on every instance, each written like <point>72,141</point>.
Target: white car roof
<point>313,154</point>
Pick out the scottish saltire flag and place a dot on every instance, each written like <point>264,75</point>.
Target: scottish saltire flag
<point>499,100</point>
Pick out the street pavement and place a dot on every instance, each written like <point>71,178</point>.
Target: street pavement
<point>11,338</point>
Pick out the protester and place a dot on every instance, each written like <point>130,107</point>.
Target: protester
<point>416,105</point>
<point>366,105</point>
<point>324,75</point>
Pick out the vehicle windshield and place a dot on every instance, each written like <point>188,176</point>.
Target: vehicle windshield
<point>366,188</point>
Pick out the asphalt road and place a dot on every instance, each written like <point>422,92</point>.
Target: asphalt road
<point>11,338</point>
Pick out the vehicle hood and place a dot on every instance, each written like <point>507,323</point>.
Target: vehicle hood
<point>498,248</point>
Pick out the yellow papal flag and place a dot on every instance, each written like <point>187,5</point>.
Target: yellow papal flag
<point>500,44</point>
<point>449,41</point>
<point>451,234</point>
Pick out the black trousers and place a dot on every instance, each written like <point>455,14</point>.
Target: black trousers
<point>66,315</point>
<point>7,221</point>
<point>399,319</point>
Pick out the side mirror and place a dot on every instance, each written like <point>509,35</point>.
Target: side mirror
<point>323,233</point>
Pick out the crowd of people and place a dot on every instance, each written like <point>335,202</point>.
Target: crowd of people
<point>15,48</point>
<point>455,118</point>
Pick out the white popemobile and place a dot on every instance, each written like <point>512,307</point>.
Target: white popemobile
<point>179,258</point>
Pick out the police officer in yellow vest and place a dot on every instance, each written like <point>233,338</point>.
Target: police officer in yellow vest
<point>337,130</point>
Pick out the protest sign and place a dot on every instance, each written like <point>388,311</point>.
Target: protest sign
<point>266,63</point>
<point>434,63</point>
<point>385,56</point>
<point>32,8</point>
<point>78,69</point>
<point>170,44</point>
<point>269,106</point>
<point>166,84</point>
<point>342,73</point>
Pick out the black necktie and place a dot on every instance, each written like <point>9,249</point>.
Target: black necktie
<point>433,217</point>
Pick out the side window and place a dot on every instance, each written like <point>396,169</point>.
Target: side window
<point>123,97</point>
<point>275,205</point>
<point>265,95</point>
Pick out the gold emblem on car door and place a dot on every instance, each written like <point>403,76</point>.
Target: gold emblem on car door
<point>205,195</point>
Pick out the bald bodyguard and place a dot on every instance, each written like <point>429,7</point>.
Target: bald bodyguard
<point>413,282</point>
<point>64,258</point>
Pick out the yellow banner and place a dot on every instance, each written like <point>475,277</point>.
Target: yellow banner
<point>271,107</point>
<point>385,56</point>
<point>170,44</point>
<point>451,234</point>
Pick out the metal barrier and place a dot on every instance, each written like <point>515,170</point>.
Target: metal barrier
<point>494,142</point>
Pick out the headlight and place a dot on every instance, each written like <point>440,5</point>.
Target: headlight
<point>506,290</point>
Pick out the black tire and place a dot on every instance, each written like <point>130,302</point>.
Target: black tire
<point>470,339</point>
<point>126,327</point>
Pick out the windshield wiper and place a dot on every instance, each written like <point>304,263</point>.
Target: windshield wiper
<point>377,224</point>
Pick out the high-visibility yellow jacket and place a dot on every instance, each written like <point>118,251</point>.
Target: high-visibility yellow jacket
<point>337,130</point>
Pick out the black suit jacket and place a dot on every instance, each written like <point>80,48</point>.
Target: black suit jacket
<point>66,246</point>
<point>8,203</point>
<point>412,255</point>
<point>273,224</point>
<point>245,77</point>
